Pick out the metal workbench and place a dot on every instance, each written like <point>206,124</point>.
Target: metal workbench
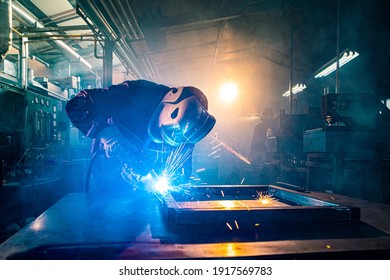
<point>131,226</point>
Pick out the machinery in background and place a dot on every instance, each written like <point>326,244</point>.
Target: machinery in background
<point>285,147</point>
<point>34,130</point>
<point>37,148</point>
<point>350,153</point>
<point>341,147</point>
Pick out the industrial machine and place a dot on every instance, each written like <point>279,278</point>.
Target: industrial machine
<point>35,146</point>
<point>285,147</point>
<point>351,145</point>
<point>34,129</point>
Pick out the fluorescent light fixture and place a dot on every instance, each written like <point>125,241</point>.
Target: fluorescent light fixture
<point>328,68</point>
<point>297,88</point>
<point>59,42</point>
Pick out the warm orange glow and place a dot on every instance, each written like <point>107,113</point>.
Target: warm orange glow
<point>231,250</point>
<point>227,204</point>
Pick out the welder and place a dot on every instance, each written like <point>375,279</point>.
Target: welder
<point>140,129</point>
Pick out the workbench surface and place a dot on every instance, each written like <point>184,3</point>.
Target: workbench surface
<point>88,226</point>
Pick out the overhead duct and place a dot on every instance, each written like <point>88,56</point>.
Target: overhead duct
<point>18,10</point>
<point>5,28</point>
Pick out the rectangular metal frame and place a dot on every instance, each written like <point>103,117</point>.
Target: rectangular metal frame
<point>302,208</point>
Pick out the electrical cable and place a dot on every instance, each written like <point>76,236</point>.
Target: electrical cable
<point>89,171</point>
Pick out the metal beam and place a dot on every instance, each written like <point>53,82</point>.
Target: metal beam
<point>25,29</point>
<point>107,63</point>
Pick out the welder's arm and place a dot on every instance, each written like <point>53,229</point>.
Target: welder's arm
<point>117,146</point>
<point>112,140</point>
<point>91,109</point>
<point>134,168</point>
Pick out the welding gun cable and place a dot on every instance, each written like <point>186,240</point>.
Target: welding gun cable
<point>32,148</point>
<point>16,165</point>
<point>89,171</point>
<point>24,172</point>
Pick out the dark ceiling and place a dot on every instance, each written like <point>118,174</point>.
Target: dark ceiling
<point>250,42</point>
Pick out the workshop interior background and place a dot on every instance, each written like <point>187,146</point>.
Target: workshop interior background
<point>333,135</point>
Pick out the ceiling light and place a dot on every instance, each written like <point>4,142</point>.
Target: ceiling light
<point>331,66</point>
<point>297,88</point>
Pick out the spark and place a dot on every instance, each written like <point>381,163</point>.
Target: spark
<point>174,162</point>
<point>244,204</point>
<point>229,226</point>
<point>257,225</point>
<point>220,144</point>
<point>231,150</point>
<point>242,181</point>
<point>216,151</point>
<point>222,193</point>
<point>217,156</point>
<point>266,199</point>
<point>328,246</point>
<point>176,159</point>
<point>200,170</point>
<point>236,224</point>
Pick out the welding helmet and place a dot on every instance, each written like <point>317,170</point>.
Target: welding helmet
<point>181,117</point>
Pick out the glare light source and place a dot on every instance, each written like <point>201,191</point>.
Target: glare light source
<point>297,88</point>
<point>331,66</point>
<point>162,184</point>
<point>228,92</point>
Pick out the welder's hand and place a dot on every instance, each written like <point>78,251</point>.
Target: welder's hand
<point>131,177</point>
<point>112,140</point>
<point>116,147</point>
<point>109,146</point>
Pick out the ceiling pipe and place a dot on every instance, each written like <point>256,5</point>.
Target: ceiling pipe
<point>127,28</point>
<point>117,20</point>
<point>5,28</point>
<point>135,27</point>
<point>19,11</point>
<point>123,51</point>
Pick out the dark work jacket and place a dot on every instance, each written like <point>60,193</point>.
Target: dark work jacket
<point>130,105</point>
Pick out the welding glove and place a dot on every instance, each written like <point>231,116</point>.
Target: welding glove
<point>112,141</point>
<point>131,177</point>
<point>118,147</point>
